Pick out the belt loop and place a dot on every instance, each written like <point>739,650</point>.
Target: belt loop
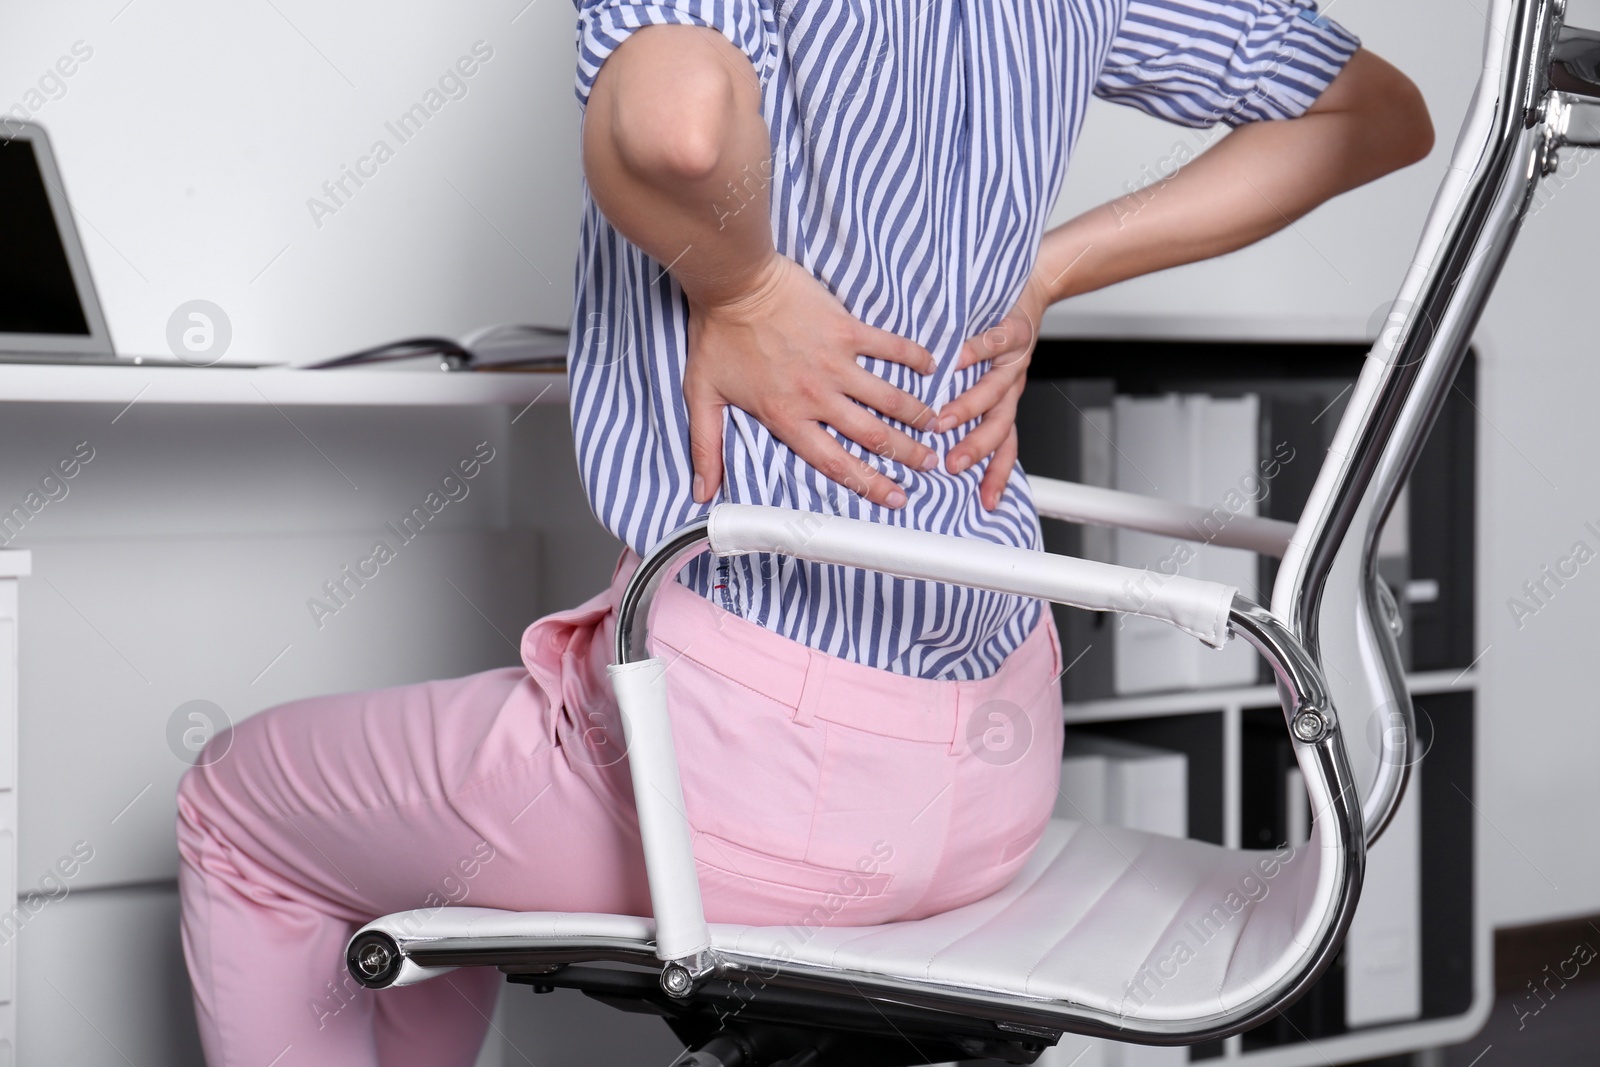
<point>811,690</point>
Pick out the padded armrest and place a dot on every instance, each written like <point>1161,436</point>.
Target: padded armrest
<point>1075,502</point>
<point>1198,608</point>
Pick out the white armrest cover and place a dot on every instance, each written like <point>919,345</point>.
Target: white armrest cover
<point>680,922</point>
<point>1198,608</point>
<point>1076,502</point>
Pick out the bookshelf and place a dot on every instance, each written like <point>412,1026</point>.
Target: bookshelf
<point>1233,735</point>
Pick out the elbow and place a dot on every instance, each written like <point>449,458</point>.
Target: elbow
<point>677,135</point>
<point>1399,130</point>
<point>1384,116</point>
<point>1410,135</point>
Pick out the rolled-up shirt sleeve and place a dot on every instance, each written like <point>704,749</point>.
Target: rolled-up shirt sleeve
<point>604,24</point>
<point>1201,62</point>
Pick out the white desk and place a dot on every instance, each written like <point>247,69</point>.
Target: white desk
<point>221,384</point>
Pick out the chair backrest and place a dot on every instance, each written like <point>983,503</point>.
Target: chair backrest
<point>1328,589</point>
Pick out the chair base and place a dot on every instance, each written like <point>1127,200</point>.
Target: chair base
<point>746,1024</point>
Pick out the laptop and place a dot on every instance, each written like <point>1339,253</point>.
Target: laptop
<point>48,308</point>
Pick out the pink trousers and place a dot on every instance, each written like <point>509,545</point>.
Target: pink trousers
<point>821,792</point>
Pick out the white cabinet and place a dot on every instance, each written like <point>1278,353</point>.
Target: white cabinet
<point>14,564</point>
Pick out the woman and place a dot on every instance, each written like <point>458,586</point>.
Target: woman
<point>812,269</point>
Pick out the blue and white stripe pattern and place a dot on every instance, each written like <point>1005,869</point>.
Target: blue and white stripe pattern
<point>917,150</point>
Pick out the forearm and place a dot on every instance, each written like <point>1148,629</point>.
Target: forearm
<point>678,157</point>
<point>1257,180</point>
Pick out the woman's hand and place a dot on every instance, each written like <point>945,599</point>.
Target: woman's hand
<point>784,349</point>
<point>1008,348</point>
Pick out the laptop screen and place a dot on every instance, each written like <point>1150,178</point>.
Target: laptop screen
<point>37,295</point>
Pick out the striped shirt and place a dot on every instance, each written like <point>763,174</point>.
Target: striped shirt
<point>917,150</point>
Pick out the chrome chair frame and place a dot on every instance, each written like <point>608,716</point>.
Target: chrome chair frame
<point>1539,92</point>
<point>1302,693</point>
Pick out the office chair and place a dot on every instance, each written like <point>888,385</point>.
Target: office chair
<point>1085,938</point>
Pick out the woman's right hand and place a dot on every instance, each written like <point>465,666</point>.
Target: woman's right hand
<point>784,349</point>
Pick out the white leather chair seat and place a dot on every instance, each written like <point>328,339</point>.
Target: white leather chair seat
<point>1128,923</point>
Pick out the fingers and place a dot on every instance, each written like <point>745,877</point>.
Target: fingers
<point>705,441</point>
<point>998,473</point>
<point>973,352</point>
<point>878,437</point>
<point>817,447</point>
<point>988,436</point>
<point>884,398</point>
<point>872,341</point>
<point>1006,343</point>
<point>984,394</point>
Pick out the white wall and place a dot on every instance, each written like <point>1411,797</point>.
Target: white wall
<point>1333,270</point>
<point>193,137</point>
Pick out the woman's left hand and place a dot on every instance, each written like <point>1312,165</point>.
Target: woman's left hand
<point>1008,348</point>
